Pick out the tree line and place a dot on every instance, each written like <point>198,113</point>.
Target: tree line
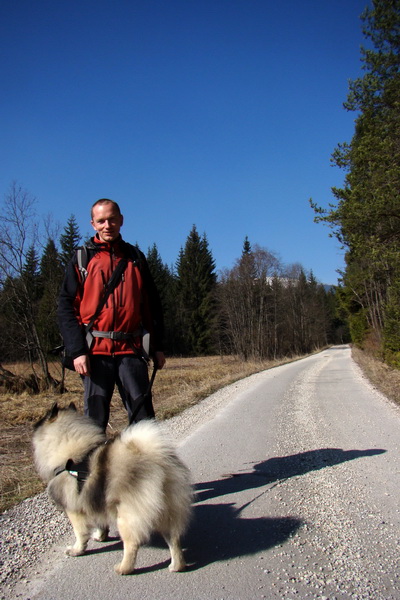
<point>259,309</point>
<point>366,215</point>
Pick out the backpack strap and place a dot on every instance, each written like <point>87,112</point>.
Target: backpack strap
<point>82,257</point>
<point>82,260</point>
<point>132,252</point>
<point>111,284</point>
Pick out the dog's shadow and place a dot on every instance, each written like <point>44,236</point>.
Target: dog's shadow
<point>218,532</point>
<point>114,544</point>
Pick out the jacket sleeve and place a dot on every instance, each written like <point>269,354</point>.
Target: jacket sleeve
<point>153,318</point>
<point>67,312</point>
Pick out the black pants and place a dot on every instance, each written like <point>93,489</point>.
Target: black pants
<point>129,374</point>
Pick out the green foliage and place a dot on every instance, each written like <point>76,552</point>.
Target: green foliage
<point>246,247</point>
<point>69,240</point>
<point>196,295</point>
<point>160,272</point>
<point>256,310</point>
<point>358,324</point>
<point>30,274</point>
<point>337,321</point>
<point>391,331</point>
<point>51,276</point>
<point>366,216</point>
<point>166,284</point>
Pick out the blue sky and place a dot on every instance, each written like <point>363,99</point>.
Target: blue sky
<point>218,113</point>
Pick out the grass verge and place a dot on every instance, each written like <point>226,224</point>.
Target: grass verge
<point>384,378</point>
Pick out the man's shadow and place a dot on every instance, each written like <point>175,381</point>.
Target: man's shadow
<point>219,533</point>
<point>278,469</point>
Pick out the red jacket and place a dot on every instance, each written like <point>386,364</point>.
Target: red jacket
<point>133,304</point>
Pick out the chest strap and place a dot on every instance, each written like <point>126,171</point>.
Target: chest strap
<point>116,335</point>
<point>78,470</point>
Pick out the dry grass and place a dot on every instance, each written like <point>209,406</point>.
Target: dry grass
<point>182,383</point>
<point>386,379</point>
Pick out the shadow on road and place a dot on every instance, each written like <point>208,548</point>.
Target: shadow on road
<point>218,533</point>
<point>278,469</point>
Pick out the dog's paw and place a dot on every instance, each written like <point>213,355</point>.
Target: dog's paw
<point>121,570</point>
<point>72,551</point>
<point>177,567</point>
<point>100,535</point>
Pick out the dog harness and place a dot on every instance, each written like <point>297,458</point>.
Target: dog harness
<point>78,470</point>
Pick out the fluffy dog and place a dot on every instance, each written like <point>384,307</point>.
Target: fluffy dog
<point>135,480</point>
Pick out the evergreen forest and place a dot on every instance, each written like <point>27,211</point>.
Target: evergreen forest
<point>260,308</point>
<point>366,215</point>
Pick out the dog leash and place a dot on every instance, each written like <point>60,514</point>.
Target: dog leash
<point>80,470</point>
<point>145,395</point>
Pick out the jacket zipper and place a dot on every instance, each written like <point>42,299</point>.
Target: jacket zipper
<point>112,260</point>
<point>103,279</point>
<point>121,293</point>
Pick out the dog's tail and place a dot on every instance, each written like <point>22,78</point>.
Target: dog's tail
<point>161,471</point>
<point>148,438</point>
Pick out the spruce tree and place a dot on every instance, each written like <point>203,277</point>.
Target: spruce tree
<point>366,217</point>
<point>51,275</point>
<point>197,295</point>
<point>69,240</point>
<point>165,281</point>
<point>159,272</point>
<point>246,247</point>
<point>30,274</point>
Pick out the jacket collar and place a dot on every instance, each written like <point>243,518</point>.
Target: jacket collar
<point>115,245</point>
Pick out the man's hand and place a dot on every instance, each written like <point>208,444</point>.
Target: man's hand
<point>82,365</point>
<point>159,359</point>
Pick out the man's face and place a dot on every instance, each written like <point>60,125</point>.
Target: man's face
<point>106,222</point>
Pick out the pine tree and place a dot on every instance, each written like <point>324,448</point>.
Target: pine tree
<point>197,295</point>
<point>159,272</point>
<point>69,240</point>
<point>30,274</point>
<point>51,275</point>
<point>165,281</point>
<point>247,266</point>
<point>246,247</point>
<point>366,217</point>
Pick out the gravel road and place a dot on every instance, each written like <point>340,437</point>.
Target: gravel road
<point>298,474</point>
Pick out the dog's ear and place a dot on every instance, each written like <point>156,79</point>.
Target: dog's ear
<point>72,406</point>
<point>51,415</point>
<point>53,412</point>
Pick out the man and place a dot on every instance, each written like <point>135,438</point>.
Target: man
<point>115,355</point>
